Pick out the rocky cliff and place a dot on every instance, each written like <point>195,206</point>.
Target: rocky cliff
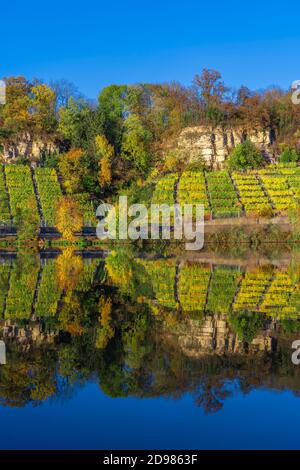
<point>27,335</point>
<point>32,150</point>
<point>214,335</point>
<point>214,144</point>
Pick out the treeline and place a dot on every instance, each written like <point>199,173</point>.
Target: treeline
<point>128,132</point>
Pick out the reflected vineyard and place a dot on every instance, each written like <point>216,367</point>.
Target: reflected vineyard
<point>146,327</point>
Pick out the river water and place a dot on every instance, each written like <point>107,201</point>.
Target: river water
<point>126,350</point>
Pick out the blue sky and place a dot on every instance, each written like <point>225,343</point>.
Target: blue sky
<point>96,43</point>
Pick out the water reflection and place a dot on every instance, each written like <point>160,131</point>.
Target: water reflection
<point>146,327</point>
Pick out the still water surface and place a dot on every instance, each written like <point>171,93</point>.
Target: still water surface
<point>128,352</point>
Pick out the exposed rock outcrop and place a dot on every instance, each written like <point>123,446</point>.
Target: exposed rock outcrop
<point>32,333</point>
<point>214,144</point>
<point>28,149</point>
<point>213,335</point>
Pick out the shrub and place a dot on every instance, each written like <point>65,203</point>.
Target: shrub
<point>288,155</point>
<point>50,160</point>
<point>245,156</point>
<point>246,325</point>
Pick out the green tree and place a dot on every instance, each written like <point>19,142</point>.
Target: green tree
<point>79,124</point>
<point>245,156</point>
<point>136,144</point>
<point>288,155</point>
<point>246,324</point>
<point>112,106</point>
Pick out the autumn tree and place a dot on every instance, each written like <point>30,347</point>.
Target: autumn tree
<point>106,332</point>
<point>72,169</point>
<point>105,154</point>
<point>210,87</point>
<point>69,218</point>
<point>15,114</point>
<point>27,116</point>
<point>43,110</point>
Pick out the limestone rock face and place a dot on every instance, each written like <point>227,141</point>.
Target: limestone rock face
<point>26,335</point>
<point>214,144</point>
<point>215,336</point>
<point>28,149</point>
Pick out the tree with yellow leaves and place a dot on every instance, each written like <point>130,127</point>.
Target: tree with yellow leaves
<point>27,117</point>
<point>69,218</point>
<point>72,170</point>
<point>105,307</point>
<point>43,109</point>
<point>68,269</point>
<point>105,153</point>
<point>104,334</point>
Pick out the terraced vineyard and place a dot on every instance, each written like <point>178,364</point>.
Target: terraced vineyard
<point>267,290</point>
<point>19,283</point>
<point>277,299</point>
<point>4,201</point>
<point>192,190</point>
<point>253,287</point>
<point>49,192</point>
<point>263,193</point>
<point>223,197</point>
<point>21,195</point>
<point>164,190</point>
<point>190,288</point>
<point>20,188</point>
<point>193,286</point>
<point>49,291</point>
<point>4,284</point>
<point>162,274</point>
<point>252,196</point>
<point>21,290</point>
<point>223,286</point>
<point>279,191</point>
<point>87,208</point>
